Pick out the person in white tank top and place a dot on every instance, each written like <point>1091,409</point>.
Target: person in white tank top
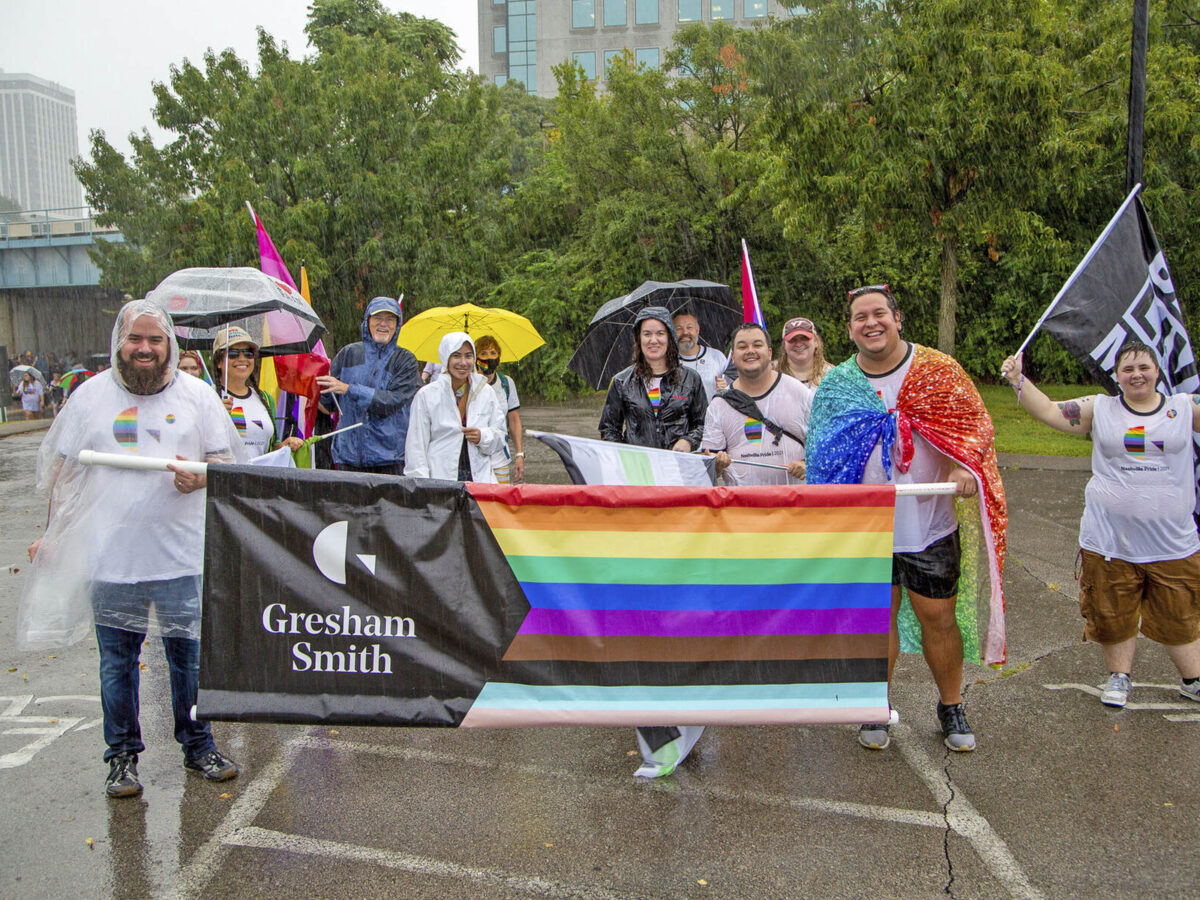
<point>1137,538</point>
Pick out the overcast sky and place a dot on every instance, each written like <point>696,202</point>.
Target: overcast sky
<point>110,51</point>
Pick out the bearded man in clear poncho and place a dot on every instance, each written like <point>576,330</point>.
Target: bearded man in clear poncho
<point>123,549</point>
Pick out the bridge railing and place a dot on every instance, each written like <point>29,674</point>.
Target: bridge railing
<point>43,224</point>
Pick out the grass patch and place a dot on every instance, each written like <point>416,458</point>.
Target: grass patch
<point>1016,430</point>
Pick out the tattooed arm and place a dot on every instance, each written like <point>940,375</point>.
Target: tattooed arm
<point>1070,416</point>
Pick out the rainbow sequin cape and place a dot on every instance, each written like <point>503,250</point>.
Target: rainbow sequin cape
<point>939,402</point>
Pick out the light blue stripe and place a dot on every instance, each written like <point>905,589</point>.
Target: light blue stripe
<point>501,695</point>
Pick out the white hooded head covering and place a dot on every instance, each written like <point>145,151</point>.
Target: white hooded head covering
<point>452,342</point>
<point>130,313</point>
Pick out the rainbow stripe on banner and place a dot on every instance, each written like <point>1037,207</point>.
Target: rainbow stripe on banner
<point>693,606</point>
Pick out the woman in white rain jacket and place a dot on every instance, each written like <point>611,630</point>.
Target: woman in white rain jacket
<point>456,423</point>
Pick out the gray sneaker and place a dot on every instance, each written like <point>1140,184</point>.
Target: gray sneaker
<point>956,733</point>
<point>874,737</point>
<point>1116,692</point>
<point>1191,691</point>
<point>122,778</point>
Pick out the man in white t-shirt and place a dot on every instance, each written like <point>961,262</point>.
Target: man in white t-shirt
<point>926,549</point>
<point>706,362</point>
<point>761,420</point>
<point>139,536</point>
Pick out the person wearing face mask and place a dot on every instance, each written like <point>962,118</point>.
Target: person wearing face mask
<point>487,360</point>
<point>457,424</point>
<point>372,382</point>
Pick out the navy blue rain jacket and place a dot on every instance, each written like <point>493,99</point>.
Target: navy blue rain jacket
<point>383,379</point>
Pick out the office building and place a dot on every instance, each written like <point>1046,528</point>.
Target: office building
<point>524,39</point>
<point>38,141</point>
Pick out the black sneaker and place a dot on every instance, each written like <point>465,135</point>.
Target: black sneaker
<point>956,732</point>
<point>213,766</point>
<point>122,776</point>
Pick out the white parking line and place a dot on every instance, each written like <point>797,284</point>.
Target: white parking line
<point>1181,703</point>
<point>194,877</point>
<point>238,830</point>
<point>965,819</point>
<point>261,838</point>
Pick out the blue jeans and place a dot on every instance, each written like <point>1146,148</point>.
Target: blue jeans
<point>120,675</point>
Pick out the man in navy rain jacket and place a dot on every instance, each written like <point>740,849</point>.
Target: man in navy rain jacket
<point>373,382</point>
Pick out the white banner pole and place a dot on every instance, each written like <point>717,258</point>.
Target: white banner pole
<point>145,463</point>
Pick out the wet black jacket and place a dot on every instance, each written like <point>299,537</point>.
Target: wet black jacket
<point>628,417</point>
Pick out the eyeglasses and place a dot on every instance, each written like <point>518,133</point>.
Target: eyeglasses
<point>241,352</point>
<point>869,289</point>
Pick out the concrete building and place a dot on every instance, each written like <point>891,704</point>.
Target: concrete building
<point>38,141</point>
<point>524,39</point>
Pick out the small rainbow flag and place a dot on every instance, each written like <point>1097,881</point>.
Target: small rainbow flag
<point>753,431</point>
<point>757,606</point>
<point>125,428</point>
<point>654,396</point>
<point>1135,441</point>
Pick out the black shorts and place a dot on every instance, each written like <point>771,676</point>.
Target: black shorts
<point>932,572</point>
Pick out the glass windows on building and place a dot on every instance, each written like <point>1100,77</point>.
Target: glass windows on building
<point>499,79</point>
<point>615,13</point>
<point>690,11</point>
<point>609,56</point>
<point>500,39</point>
<point>587,61</point>
<point>754,9</point>
<point>522,43</point>
<point>647,55</point>
<point>583,13</point>
<point>722,9</point>
<point>645,12</point>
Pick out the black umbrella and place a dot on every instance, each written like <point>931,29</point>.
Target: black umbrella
<point>607,345</point>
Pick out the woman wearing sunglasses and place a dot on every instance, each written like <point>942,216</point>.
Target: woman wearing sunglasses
<point>235,358</point>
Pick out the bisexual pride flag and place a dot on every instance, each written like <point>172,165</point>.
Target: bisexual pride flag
<point>693,606</point>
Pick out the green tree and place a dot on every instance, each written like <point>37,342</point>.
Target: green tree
<point>372,162</point>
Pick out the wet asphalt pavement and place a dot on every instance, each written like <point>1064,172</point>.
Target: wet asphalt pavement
<point>1063,797</point>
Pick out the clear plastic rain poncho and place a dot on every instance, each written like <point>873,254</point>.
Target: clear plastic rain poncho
<point>112,531</point>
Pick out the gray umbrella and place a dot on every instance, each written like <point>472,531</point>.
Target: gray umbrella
<point>17,372</point>
<point>607,344</point>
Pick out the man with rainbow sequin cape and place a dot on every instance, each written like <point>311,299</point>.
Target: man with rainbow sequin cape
<point>123,550</point>
<point>900,412</point>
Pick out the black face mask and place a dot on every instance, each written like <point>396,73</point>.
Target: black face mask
<point>487,366</point>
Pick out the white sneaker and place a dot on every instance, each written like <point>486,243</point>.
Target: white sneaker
<point>1191,691</point>
<point>1116,692</point>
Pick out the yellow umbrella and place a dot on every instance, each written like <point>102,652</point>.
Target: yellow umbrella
<point>514,333</point>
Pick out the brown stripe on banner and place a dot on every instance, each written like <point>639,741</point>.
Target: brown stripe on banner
<point>639,648</point>
<point>691,519</point>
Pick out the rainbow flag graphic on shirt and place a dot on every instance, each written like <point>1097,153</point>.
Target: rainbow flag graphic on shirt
<point>654,396</point>
<point>682,605</point>
<point>753,430</point>
<point>239,420</point>
<point>1135,441</point>
<point>125,428</point>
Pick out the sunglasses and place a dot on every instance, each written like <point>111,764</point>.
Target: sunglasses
<point>869,289</point>
<point>241,352</point>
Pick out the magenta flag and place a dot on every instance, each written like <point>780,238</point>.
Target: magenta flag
<point>751,311</point>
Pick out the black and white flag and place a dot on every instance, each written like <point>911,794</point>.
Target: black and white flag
<point>1122,289</point>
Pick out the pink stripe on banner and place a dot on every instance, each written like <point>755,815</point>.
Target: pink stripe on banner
<point>695,623</point>
<point>569,718</point>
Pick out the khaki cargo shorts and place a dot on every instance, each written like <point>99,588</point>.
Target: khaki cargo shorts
<point>1115,595</point>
